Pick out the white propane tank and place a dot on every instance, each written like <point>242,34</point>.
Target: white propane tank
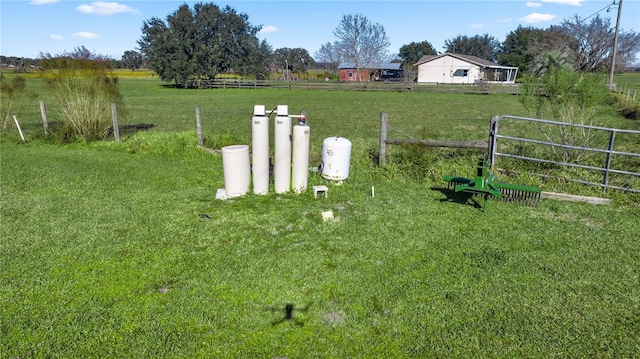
<point>336,157</point>
<point>282,165</point>
<point>260,149</point>
<point>301,141</point>
<point>237,170</point>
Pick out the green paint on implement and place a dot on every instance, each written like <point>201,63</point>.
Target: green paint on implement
<point>486,185</point>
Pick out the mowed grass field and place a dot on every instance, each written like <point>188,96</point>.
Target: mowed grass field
<point>121,249</point>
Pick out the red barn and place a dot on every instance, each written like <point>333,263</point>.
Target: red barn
<point>376,72</point>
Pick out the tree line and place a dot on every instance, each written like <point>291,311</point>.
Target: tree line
<point>205,41</point>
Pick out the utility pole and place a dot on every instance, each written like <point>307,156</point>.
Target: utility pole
<point>615,48</point>
<point>286,65</point>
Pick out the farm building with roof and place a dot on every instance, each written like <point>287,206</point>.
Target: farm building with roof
<point>451,68</point>
<point>370,72</point>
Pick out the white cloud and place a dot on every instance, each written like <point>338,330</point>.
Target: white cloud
<point>269,28</point>
<point>477,26</point>
<point>565,2</point>
<point>105,8</point>
<point>85,35</point>
<point>42,2</point>
<point>536,18</point>
<point>506,19</point>
<point>533,4</point>
<point>56,37</point>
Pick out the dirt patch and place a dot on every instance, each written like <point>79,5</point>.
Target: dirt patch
<point>335,319</point>
<point>589,222</point>
<point>467,127</point>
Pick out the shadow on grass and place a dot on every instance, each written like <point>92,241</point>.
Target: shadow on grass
<point>458,197</point>
<point>288,314</point>
<point>131,129</point>
<point>60,132</point>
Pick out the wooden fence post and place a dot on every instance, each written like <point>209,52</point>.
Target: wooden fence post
<point>382,155</point>
<point>116,128</point>
<point>199,127</point>
<point>45,121</point>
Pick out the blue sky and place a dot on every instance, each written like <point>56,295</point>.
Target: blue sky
<point>29,27</point>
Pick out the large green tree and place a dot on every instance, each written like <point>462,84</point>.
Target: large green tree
<point>132,60</point>
<point>292,60</point>
<point>518,47</point>
<point>200,43</point>
<point>258,60</point>
<point>413,52</point>
<point>482,46</point>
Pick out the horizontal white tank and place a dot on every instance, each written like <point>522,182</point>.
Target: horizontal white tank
<point>336,158</point>
<point>237,170</point>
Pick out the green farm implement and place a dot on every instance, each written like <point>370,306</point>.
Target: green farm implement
<point>486,185</point>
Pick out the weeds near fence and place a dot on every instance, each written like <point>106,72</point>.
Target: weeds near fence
<point>85,90</point>
<point>11,89</point>
<point>566,96</point>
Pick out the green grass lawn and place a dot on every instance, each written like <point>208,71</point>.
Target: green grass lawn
<point>122,250</point>
<point>628,81</point>
<point>109,253</point>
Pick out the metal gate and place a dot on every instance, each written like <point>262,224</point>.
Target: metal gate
<point>624,158</point>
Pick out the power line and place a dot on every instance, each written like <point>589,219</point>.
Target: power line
<point>608,7</point>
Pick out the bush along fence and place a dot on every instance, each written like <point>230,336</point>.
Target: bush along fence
<point>114,118</point>
<point>585,154</point>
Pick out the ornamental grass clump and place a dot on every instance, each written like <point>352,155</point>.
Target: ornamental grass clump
<point>85,89</point>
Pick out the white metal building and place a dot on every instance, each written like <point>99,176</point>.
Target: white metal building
<point>462,69</point>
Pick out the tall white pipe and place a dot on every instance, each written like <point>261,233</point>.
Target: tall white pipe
<point>260,149</point>
<point>282,165</point>
<point>301,141</point>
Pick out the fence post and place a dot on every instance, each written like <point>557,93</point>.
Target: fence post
<point>15,119</point>
<point>382,155</point>
<point>45,121</point>
<point>493,129</point>
<point>199,127</point>
<point>116,128</point>
<point>607,165</point>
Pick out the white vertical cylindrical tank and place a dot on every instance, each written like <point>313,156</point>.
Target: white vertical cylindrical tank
<point>237,170</point>
<point>336,158</point>
<point>301,142</point>
<point>282,165</point>
<point>260,150</point>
